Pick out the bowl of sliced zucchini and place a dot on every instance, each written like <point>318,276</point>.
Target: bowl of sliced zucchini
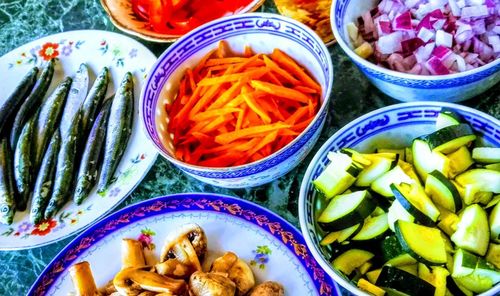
<point>405,200</point>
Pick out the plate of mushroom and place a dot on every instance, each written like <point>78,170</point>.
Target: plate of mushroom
<point>195,244</point>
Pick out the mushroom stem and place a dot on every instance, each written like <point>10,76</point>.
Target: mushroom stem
<point>132,253</point>
<point>132,281</point>
<point>83,281</point>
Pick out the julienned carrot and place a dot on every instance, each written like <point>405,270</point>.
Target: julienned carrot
<point>231,110</point>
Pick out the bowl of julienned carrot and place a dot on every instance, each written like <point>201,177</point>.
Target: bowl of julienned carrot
<point>240,101</point>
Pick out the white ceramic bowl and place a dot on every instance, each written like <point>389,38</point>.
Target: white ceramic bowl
<point>409,87</point>
<point>263,32</point>
<point>389,127</point>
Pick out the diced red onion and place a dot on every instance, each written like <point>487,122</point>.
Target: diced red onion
<point>436,67</point>
<point>475,11</point>
<point>409,46</point>
<point>443,38</point>
<point>403,22</point>
<point>423,53</point>
<point>438,24</point>
<point>494,41</point>
<point>425,34</point>
<point>390,43</point>
<point>455,10</point>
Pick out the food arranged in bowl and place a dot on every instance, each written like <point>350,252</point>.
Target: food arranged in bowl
<point>410,42</point>
<point>428,38</point>
<point>166,21</point>
<point>181,270</point>
<point>239,107</point>
<point>418,219</point>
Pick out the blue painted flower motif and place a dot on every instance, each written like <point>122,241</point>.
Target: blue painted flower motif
<point>67,50</point>
<point>114,192</point>
<point>133,53</point>
<point>23,227</point>
<point>261,257</point>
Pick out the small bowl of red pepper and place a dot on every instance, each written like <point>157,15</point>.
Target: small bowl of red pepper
<point>167,20</point>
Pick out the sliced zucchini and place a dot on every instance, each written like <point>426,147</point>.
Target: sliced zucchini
<point>408,155</point>
<point>330,238</point>
<point>456,288</point>
<point>338,175</point>
<point>392,278</point>
<point>486,154</point>
<point>487,270</point>
<point>442,192</point>
<point>447,117</point>
<point>397,212</point>
<point>377,212</point>
<point>493,166</point>
<point>473,233</point>
<point>417,241</point>
<point>347,210</point>
<point>370,288</point>
<point>341,235</point>
<point>425,160</point>
<point>475,283</point>
<point>464,263</point>
<point>481,179</point>
<point>493,255</point>
<point>372,276</point>
<point>450,138</point>
<point>391,248</point>
<point>459,161</point>
<point>493,202</point>
<point>399,152</point>
<point>365,267</point>
<point>356,156</point>
<point>409,171</point>
<point>401,260</point>
<point>437,277</point>
<point>416,202</point>
<point>372,228</point>
<point>448,221</point>
<point>494,221</point>
<point>382,184</point>
<point>378,167</point>
<point>410,268</point>
<point>351,259</point>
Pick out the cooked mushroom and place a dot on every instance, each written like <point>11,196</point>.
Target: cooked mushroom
<point>132,253</point>
<point>211,284</point>
<point>268,289</point>
<point>237,270</point>
<point>194,233</point>
<point>133,281</point>
<point>83,281</point>
<point>174,268</point>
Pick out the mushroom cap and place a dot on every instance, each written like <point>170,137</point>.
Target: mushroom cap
<point>237,270</point>
<point>211,284</point>
<point>133,281</point>
<point>193,232</point>
<point>268,288</point>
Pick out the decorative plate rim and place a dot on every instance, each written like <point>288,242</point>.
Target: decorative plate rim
<point>302,202</point>
<point>413,77</point>
<point>173,203</point>
<point>155,37</point>
<point>153,152</point>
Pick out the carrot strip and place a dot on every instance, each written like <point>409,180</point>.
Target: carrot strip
<point>223,49</point>
<point>214,113</point>
<point>190,75</point>
<point>301,112</point>
<point>254,61</point>
<point>305,89</point>
<point>249,132</point>
<point>201,64</point>
<point>254,74</point>
<point>223,61</point>
<point>241,115</point>
<point>302,125</point>
<point>275,68</point>
<point>216,123</point>
<point>224,160</point>
<point>250,100</point>
<point>280,91</point>
<point>269,138</point>
<point>272,107</point>
<point>290,65</point>
<point>274,79</point>
<point>248,52</point>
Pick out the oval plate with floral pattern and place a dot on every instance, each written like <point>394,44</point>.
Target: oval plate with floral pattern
<point>274,249</point>
<point>96,49</point>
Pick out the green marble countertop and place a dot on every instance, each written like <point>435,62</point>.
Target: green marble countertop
<point>22,21</point>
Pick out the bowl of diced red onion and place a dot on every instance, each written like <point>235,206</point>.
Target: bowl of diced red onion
<point>442,50</point>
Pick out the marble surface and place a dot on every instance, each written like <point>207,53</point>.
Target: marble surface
<point>24,20</point>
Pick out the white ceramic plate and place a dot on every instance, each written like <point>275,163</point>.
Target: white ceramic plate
<point>97,49</point>
<point>273,248</point>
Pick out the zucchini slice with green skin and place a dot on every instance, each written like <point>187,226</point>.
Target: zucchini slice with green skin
<point>48,119</point>
<point>89,165</point>
<point>397,212</point>
<point>442,192</point>
<point>416,240</point>
<point>338,175</point>
<point>425,160</point>
<point>373,275</point>
<point>447,117</point>
<point>378,167</point>
<point>7,190</point>
<point>373,227</point>
<point>459,161</point>
<point>473,232</point>
<point>416,202</point>
<point>493,255</point>
<point>482,279</point>
<point>118,131</point>
<point>341,235</point>
<point>370,288</point>
<point>456,289</point>
<point>493,202</point>
<point>464,263</point>
<point>350,260</point>
<point>493,166</point>
<point>65,168</point>
<point>347,210</point>
<point>45,180</point>
<point>401,260</point>
<point>448,221</point>
<point>32,102</point>
<point>94,99</point>
<point>482,179</point>
<point>382,184</point>
<point>391,248</point>
<point>437,277</point>
<point>395,279</point>
<point>9,106</point>
<point>487,270</point>
<point>486,154</point>
<point>23,162</point>
<point>450,138</point>
<point>494,220</point>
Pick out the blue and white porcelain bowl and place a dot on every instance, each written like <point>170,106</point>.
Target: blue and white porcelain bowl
<point>409,87</point>
<point>263,32</point>
<point>394,126</point>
